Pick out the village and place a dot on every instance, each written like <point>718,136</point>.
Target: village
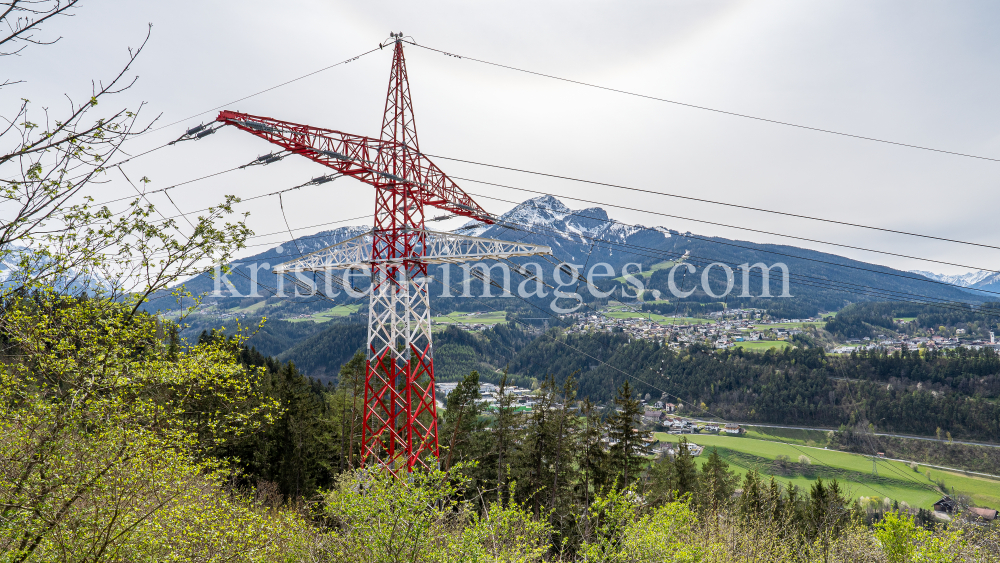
<point>737,328</point>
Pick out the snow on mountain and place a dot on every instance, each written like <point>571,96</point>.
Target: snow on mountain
<point>975,280</point>
<point>570,233</point>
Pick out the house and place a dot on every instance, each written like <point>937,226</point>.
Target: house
<point>732,428</point>
<point>669,407</point>
<point>981,514</point>
<point>946,505</point>
<point>652,416</point>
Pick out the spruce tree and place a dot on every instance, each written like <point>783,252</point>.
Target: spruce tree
<point>752,499</point>
<point>629,442</point>
<point>685,471</point>
<point>593,456</point>
<point>461,420</point>
<point>533,466</point>
<point>718,482</point>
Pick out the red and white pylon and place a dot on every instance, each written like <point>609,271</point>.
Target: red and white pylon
<point>400,414</point>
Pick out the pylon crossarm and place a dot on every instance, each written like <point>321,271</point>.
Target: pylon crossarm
<point>448,248</point>
<point>437,248</point>
<point>367,159</point>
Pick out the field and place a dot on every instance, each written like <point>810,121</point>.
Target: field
<point>814,438</point>
<point>329,314</point>
<point>646,273</point>
<point>762,345</point>
<point>458,317</point>
<point>785,325</point>
<point>895,480</point>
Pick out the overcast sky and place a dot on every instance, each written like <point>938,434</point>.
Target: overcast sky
<point>923,73</point>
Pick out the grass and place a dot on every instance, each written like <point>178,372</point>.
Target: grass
<point>784,325</point>
<point>761,345</point>
<point>895,479</point>
<point>646,273</point>
<point>813,438</point>
<point>329,314</point>
<point>458,317</point>
<point>905,319</point>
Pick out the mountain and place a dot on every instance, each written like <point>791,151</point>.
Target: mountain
<point>576,237</point>
<point>259,266</point>
<point>19,264</point>
<point>593,242</point>
<point>980,279</point>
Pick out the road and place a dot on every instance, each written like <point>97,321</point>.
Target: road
<point>946,468</point>
<point>907,436</point>
<point>887,434</point>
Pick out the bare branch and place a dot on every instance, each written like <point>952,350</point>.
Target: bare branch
<point>22,28</point>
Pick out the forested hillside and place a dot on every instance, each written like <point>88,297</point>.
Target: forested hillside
<point>917,393</point>
<point>818,281</point>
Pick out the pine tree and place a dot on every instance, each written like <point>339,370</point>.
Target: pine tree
<point>685,471</point>
<point>752,499</point>
<point>533,466</point>
<point>566,473</point>
<point>352,377</point>
<point>718,482</point>
<point>498,454</point>
<point>593,456</point>
<point>629,443</point>
<point>461,420</point>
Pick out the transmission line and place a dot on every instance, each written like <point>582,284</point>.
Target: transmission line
<point>709,109</point>
<point>691,198</point>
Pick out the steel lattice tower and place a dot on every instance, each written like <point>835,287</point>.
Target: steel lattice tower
<point>400,414</point>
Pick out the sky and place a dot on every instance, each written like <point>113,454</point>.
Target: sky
<point>915,72</point>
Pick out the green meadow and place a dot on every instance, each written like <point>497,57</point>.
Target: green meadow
<point>895,480</point>
<point>762,345</point>
<point>329,314</point>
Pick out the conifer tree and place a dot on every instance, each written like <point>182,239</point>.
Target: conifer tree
<point>498,456</point>
<point>629,442</point>
<point>718,482</point>
<point>534,464</point>
<point>352,377</point>
<point>752,499</point>
<point>593,456</point>
<point>461,420</point>
<point>685,471</point>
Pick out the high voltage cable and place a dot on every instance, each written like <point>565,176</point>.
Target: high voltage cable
<point>854,404</point>
<point>920,279</point>
<point>808,281</point>
<point>691,198</point>
<point>228,103</point>
<point>287,82</point>
<point>651,252</point>
<point>802,279</point>
<point>706,108</point>
<point>720,224</point>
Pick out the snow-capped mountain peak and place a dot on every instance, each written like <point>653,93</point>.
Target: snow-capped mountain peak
<point>974,279</point>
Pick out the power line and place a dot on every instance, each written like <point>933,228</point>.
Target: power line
<point>287,82</point>
<point>665,194</point>
<point>920,279</point>
<point>710,109</point>
<point>806,280</point>
<point>749,229</point>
